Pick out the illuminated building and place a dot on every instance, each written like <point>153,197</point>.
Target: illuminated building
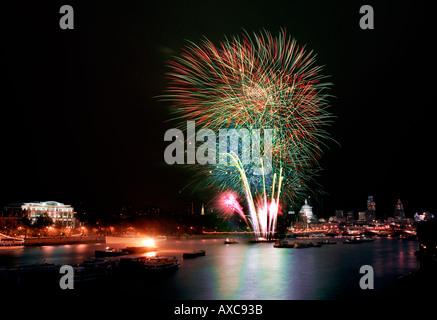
<point>424,216</point>
<point>399,210</point>
<point>371,210</point>
<point>307,210</point>
<point>370,204</point>
<point>61,214</point>
<point>339,216</point>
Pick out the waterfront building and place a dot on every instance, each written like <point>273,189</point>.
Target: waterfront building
<point>12,211</point>
<point>61,214</point>
<point>371,206</point>
<point>424,216</point>
<point>333,219</point>
<point>350,216</point>
<point>339,216</point>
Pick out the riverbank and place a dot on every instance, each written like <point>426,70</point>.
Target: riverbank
<point>44,241</point>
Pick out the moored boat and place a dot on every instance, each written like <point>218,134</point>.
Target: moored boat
<point>353,240</point>
<point>140,249</point>
<point>300,245</point>
<point>327,242</point>
<point>153,264</point>
<point>99,263</point>
<point>10,243</point>
<point>160,238</point>
<point>110,252</point>
<point>94,269</point>
<point>261,239</point>
<point>195,253</point>
<point>407,236</point>
<point>283,244</point>
<point>314,244</point>
<point>230,241</point>
<point>287,244</point>
<point>365,239</point>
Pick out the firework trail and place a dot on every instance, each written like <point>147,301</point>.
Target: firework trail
<point>230,201</point>
<point>264,212</point>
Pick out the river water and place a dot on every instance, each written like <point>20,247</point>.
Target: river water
<point>250,271</point>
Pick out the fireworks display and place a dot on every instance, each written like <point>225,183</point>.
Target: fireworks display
<point>264,212</point>
<point>255,83</point>
<point>230,202</point>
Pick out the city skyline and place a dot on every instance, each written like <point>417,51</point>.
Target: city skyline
<point>202,208</point>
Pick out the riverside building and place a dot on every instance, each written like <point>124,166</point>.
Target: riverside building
<point>62,214</point>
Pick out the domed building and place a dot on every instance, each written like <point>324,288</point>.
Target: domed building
<point>307,210</point>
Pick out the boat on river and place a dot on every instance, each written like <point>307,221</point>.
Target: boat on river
<point>407,236</point>
<point>366,239</point>
<point>353,240</point>
<point>149,264</point>
<point>140,249</point>
<point>298,245</point>
<point>11,243</point>
<point>160,238</point>
<point>262,239</point>
<point>94,269</point>
<point>327,241</point>
<point>314,245</point>
<point>284,244</point>
<point>110,252</point>
<point>230,241</point>
<point>194,254</point>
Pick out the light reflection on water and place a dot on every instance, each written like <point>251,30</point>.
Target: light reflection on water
<point>254,271</point>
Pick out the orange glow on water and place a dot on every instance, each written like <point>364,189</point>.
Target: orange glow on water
<point>148,242</point>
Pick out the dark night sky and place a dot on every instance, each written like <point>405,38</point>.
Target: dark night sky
<point>79,121</point>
